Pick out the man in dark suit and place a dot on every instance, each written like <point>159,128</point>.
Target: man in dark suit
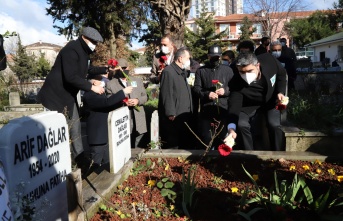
<point>162,58</point>
<point>3,61</point>
<point>289,59</point>
<point>263,48</point>
<point>262,83</point>
<point>66,78</point>
<point>137,98</point>
<point>99,105</point>
<point>175,102</point>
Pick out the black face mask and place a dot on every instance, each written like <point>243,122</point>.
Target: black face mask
<point>119,74</point>
<point>214,61</point>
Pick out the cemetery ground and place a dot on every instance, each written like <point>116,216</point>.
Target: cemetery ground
<point>162,187</point>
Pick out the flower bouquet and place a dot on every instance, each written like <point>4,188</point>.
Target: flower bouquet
<point>226,148</point>
<point>162,61</point>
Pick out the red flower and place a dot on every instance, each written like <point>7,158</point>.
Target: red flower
<point>224,150</point>
<point>280,107</point>
<point>164,58</point>
<point>112,62</point>
<point>126,99</point>
<point>215,81</point>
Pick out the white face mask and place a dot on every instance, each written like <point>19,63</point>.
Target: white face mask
<point>187,64</point>
<point>91,46</point>
<point>276,54</point>
<point>249,77</point>
<point>165,50</point>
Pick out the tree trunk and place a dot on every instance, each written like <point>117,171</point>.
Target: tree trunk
<point>112,43</point>
<point>172,15</point>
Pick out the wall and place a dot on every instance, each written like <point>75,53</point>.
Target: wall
<point>331,51</point>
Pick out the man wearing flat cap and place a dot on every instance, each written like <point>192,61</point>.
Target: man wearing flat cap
<point>66,78</point>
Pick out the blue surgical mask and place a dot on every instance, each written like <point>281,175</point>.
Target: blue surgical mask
<point>276,54</point>
<point>225,62</point>
<point>283,43</point>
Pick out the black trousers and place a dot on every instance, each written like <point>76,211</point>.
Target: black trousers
<point>175,134</point>
<point>247,128</point>
<point>100,154</point>
<point>209,119</point>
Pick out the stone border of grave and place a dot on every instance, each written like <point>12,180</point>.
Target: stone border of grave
<point>96,187</point>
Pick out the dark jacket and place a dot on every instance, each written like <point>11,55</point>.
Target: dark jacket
<point>274,77</point>
<point>260,50</point>
<point>99,105</point>
<point>203,84</point>
<point>3,61</point>
<point>66,77</point>
<point>289,58</point>
<point>175,94</point>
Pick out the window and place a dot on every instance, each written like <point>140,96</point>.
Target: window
<point>238,29</point>
<point>223,27</point>
<point>340,53</point>
<point>258,28</point>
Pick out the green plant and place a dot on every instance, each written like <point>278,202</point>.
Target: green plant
<point>165,185</point>
<point>141,167</point>
<point>188,189</point>
<point>217,180</point>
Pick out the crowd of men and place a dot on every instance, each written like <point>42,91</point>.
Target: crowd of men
<point>227,95</point>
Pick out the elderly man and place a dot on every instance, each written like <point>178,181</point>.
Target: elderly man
<point>137,98</point>
<point>175,102</point>
<point>66,78</point>
<point>162,58</point>
<point>261,85</point>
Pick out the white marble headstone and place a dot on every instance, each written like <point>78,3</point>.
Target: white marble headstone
<point>119,138</point>
<point>5,204</point>
<point>36,157</point>
<point>154,129</point>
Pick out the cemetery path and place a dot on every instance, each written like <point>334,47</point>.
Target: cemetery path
<point>220,183</point>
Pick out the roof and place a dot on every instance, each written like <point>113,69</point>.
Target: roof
<point>331,39</point>
<point>43,44</point>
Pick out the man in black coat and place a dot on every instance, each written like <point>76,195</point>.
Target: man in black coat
<point>289,59</point>
<point>263,48</point>
<point>66,78</point>
<point>213,96</point>
<point>99,105</point>
<point>3,63</point>
<point>261,85</point>
<point>175,102</point>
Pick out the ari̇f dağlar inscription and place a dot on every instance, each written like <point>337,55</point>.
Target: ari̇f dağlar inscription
<point>119,138</point>
<point>36,157</point>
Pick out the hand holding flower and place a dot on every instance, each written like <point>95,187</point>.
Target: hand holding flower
<point>220,91</point>
<point>282,102</point>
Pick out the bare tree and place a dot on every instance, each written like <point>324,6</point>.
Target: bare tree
<point>172,15</point>
<point>272,14</point>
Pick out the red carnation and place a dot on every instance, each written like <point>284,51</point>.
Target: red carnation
<point>280,107</point>
<point>215,81</point>
<point>164,58</point>
<point>126,99</point>
<point>112,62</point>
<point>224,150</point>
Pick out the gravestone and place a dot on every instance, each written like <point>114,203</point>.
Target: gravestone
<point>5,205</point>
<point>119,138</point>
<point>14,98</point>
<point>154,129</point>
<point>36,157</point>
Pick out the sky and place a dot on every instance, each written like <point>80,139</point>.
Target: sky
<point>29,19</point>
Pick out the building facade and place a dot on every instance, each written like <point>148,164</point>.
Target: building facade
<point>49,50</point>
<point>218,7</point>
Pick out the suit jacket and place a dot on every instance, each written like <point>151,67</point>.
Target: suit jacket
<point>67,77</point>
<point>275,78</point>
<point>99,106</point>
<point>175,93</point>
<point>138,92</point>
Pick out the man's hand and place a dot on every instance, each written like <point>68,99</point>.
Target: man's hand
<point>220,91</point>
<point>171,118</point>
<point>95,82</point>
<point>128,90</point>
<point>212,96</point>
<point>132,102</point>
<point>98,89</point>
<point>280,97</point>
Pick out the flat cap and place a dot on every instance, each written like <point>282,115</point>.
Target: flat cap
<point>122,62</point>
<point>92,33</point>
